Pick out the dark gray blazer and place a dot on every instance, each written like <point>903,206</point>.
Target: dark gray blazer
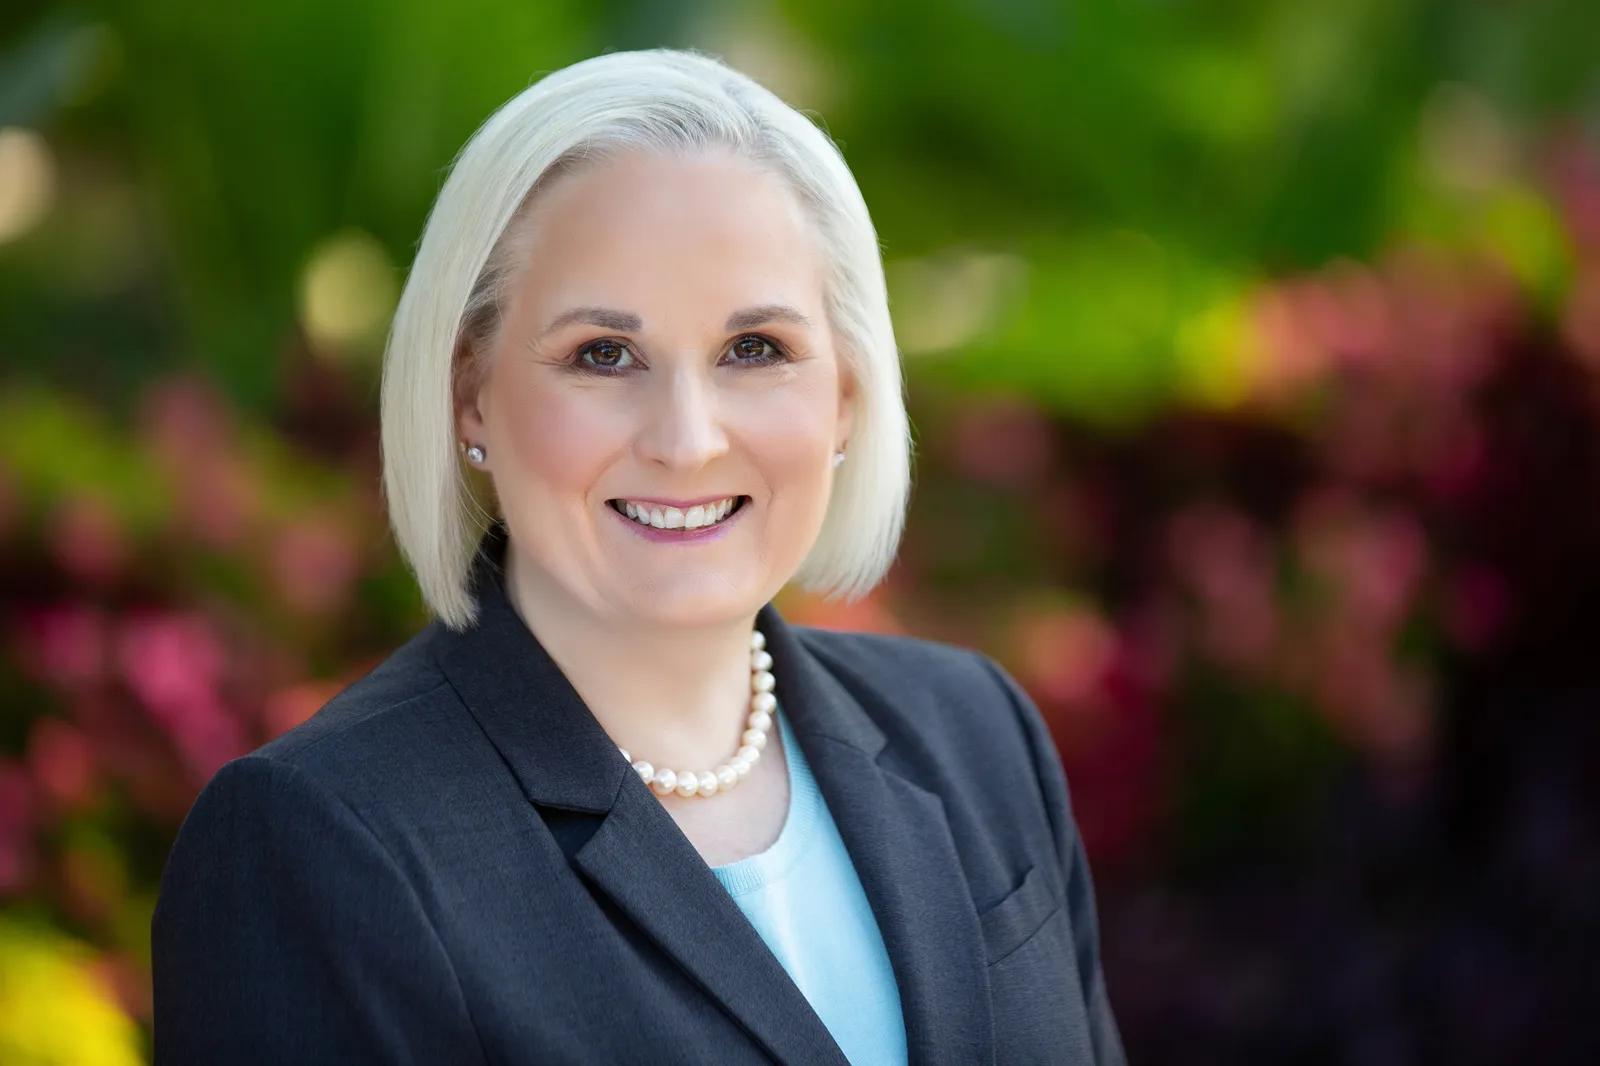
<point>450,864</point>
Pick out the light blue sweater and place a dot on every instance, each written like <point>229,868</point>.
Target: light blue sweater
<point>804,898</point>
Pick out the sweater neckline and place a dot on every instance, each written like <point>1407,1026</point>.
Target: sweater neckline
<point>763,868</point>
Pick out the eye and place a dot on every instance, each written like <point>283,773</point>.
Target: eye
<point>605,356</point>
<point>754,349</point>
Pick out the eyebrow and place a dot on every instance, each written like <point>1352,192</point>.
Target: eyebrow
<point>628,322</point>
<point>751,317</point>
<point>604,317</point>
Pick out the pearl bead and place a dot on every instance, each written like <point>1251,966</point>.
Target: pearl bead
<point>758,722</point>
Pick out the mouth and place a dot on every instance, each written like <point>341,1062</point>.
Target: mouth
<point>701,516</point>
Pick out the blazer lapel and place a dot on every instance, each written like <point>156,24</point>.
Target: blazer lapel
<point>637,855</point>
<point>641,859</point>
<point>900,843</point>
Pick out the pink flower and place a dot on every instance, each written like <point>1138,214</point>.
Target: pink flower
<point>1004,442</point>
<point>1066,653</point>
<point>1294,358</point>
<point>68,644</point>
<point>183,420</point>
<point>1576,172</point>
<point>1226,560</point>
<point>1378,706</point>
<point>219,499</point>
<point>174,665</point>
<point>1347,309</point>
<point>1581,318</point>
<point>18,814</point>
<point>62,761</point>
<point>87,538</point>
<point>1372,562</point>
<point>315,565</point>
<point>1113,769</point>
<point>170,659</point>
<point>291,706</point>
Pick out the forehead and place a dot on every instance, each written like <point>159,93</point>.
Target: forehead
<point>647,232</point>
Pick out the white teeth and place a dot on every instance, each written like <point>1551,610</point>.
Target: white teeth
<point>698,517</point>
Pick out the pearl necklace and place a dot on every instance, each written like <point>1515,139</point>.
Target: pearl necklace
<point>763,705</point>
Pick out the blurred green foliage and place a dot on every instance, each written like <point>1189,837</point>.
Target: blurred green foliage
<point>1123,172</point>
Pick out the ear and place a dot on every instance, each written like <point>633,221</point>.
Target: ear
<point>467,384</point>
<point>847,404</point>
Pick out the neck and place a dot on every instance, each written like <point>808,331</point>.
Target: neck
<point>675,696</point>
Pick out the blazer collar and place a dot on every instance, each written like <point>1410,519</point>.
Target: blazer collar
<point>556,748</point>
<point>895,831</point>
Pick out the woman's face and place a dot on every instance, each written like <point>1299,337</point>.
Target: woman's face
<point>663,400</point>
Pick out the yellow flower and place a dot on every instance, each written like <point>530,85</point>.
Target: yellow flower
<point>53,1009</point>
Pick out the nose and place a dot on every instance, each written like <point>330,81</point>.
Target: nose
<point>683,426</point>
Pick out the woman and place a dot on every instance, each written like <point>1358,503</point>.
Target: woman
<point>608,807</point>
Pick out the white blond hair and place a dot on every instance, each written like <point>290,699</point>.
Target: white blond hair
<point>658,100</point>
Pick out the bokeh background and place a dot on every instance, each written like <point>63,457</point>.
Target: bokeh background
<point>1254,356</point>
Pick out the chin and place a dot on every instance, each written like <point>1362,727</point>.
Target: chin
<point>693,601</point>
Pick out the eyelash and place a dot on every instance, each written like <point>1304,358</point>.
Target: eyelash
<point>778,354</point>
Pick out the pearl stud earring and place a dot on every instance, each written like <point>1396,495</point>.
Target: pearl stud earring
<point>838,459</point>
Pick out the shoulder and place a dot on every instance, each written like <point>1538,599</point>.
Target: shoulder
<point>933,698</point>
<point>404,707</point>
<point>407,677</point>
<point>391,759</point>
<point>366,746</point>
<point>903,664</point>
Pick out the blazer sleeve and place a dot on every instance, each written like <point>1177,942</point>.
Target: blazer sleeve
<point>1108,1050</point>
<point>285,932</point>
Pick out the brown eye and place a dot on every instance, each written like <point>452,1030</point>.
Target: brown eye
<point>752,348</point>
<point>605,355</point>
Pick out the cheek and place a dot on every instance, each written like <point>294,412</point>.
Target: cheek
<point>557,438</point>
<point>790,433</point>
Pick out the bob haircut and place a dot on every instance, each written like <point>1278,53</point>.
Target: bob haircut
<point>658,100</point>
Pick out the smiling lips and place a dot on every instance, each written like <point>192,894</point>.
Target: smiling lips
<point>700,516</point>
